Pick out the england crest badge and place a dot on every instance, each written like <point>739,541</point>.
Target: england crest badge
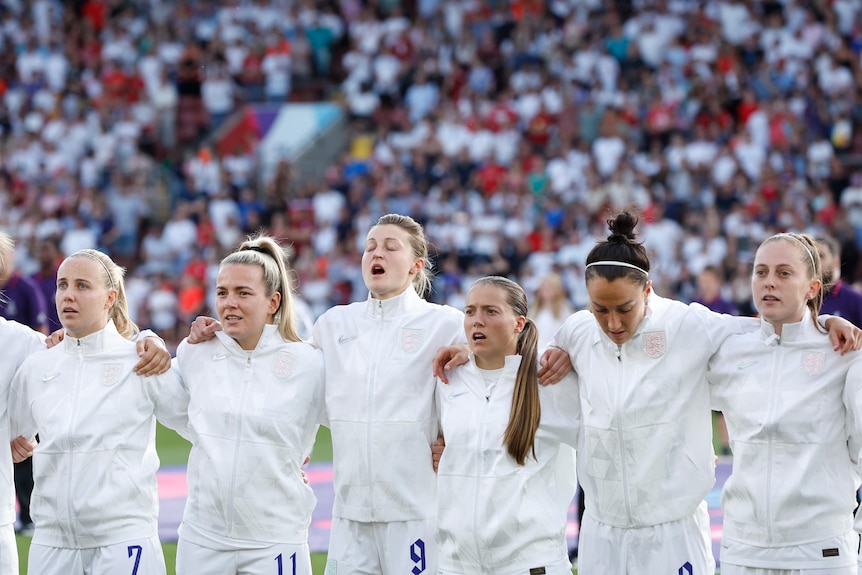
<point>655,343</point>
<point>812,362</point>
<point>111,373</point>
<point>411,340</point>
<point>283,364</point>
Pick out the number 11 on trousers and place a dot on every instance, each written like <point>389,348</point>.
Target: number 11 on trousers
<point>280,562</point>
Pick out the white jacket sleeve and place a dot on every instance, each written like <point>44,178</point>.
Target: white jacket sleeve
<point>142,335</point>
<point>561,410</point>
<point>318,402</point>
<point>720,326</point>
<point>21,420</point>
<point>853,404</point>
<point>571,335</point>
<point>18,343</point>
<point>171,399</point>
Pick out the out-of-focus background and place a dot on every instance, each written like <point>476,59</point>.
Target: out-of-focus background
<point>164,132</point>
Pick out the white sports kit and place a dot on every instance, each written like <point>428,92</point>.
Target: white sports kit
<point>17,342</point>
<point>380,405</point>
<point>95,466</point>
<point>253,417</point>
<point>494,516</point>
<point>793,427</point>
<point>646,457</point>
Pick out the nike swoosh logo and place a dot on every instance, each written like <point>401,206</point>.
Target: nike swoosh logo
<point>745,364</point>
<point>346,338</point>
<point>217,357</point>
<point>454,395</point>
<point>47,378</point>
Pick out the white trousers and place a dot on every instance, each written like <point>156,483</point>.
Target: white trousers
<point>682,547</point>
<point>277,559</point>
<point>737,570</point>
<point>390,548</point>
<point>135,557</point>
<point>8,550</point>
<point>561,567</point>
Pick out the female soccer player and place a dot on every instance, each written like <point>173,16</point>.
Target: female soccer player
<point>793,426</point>
<point>506,478</point>
<point>380,405</point>
<point>95,503</point>
<point>256,397</point>
<point>17,342</point>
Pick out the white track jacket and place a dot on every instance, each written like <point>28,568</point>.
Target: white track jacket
<point>95,466</point>
<point>253,416</point>
<point>646,445</point>
<point>493,515</point>
<point>380,403</point>
<point>17,342</point>
<point>789,418</point>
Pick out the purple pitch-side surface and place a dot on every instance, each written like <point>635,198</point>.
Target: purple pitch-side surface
<point>173,491</point>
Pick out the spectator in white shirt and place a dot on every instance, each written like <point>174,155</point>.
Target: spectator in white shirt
<point>422,96</point>
<point>276,69</point>
<point>180,236</point>
<point>607,152</point>
<point>218,92</point>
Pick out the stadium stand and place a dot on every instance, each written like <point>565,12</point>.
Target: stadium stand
<point>511,129</point>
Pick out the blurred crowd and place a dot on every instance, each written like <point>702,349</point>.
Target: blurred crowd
<point>510,128</point>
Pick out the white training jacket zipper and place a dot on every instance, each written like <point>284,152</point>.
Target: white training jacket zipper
<point>238,442</point>
<point>620,437</point>
<point>776,356</point>
<point>479,460</point>
<point>369,400</point>
<point>70,438</point>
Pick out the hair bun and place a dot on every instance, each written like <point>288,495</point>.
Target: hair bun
<point>622,228</point>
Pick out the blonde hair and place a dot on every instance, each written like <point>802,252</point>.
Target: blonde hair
<point>557,304</point>
<point>7,247</point>
<point>264,251</point>
<point>526,412</point>
<point>112,279</point>
<point>419,245</point>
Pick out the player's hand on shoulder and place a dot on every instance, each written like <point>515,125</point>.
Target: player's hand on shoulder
<point>203,329</point>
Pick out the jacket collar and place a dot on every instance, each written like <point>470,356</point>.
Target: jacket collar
<point>512,363</point>
<point>789,331</point>
<point>269,338</point>
<point>402,304</point>
<point>101,340</point>
<point>475,381</point>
